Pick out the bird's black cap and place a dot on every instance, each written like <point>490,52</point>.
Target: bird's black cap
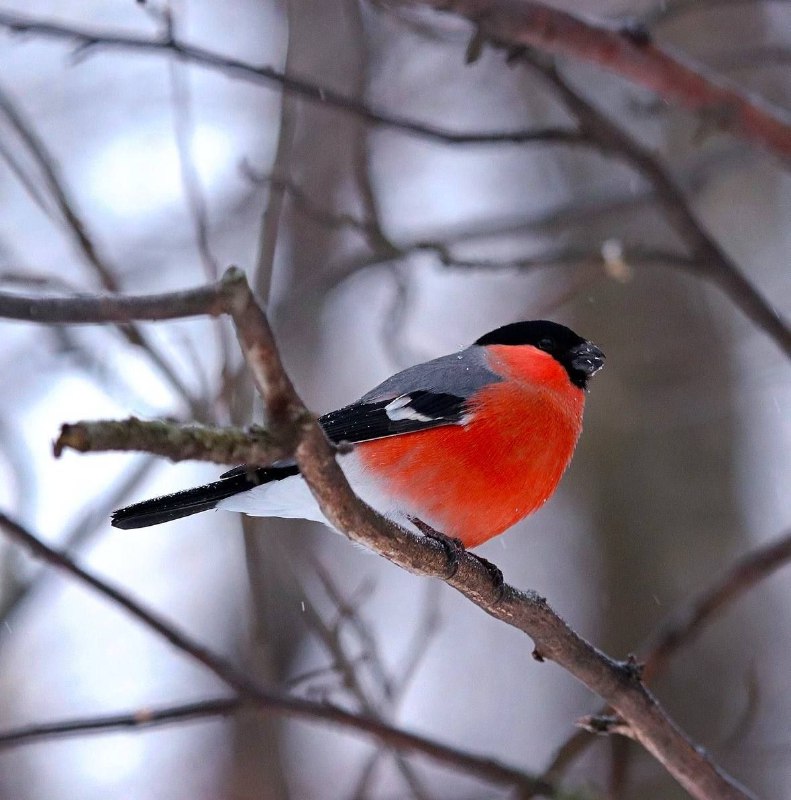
<point>579,357</point>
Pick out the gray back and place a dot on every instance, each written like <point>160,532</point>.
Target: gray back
<point>460,374</point>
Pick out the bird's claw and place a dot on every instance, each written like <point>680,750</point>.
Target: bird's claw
<point>451,546</point>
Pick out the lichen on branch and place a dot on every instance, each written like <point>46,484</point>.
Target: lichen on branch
<point>254,445</point>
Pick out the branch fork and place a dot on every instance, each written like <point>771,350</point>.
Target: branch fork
<point>291,425</point>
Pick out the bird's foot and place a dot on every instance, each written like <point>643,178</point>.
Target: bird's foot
<point>452,546</point>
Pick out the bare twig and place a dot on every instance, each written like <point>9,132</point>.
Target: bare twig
<point>195,199</point>
<point>629,52</point>
<point>88,40</point>
<point>710,259</point>
<point>142,718</point>
<point>347,612</point>
<point>333,642</point>
<point>738,579</point>
<point>250,692</point>
<point>307,206</point>
<point>424,633</point>
<point>28,181</point>
<point>78,228</point>
<point>569,257</point>
<point>77,534</point>
<point>190,178</point>
<point>57,188</point>
<point>397,687</point>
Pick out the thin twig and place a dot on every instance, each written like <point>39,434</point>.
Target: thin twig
<point>194,196</point>
<point>398,686</point>
<point>333,642</point>
<point>87,41</point>
<point>28,181</point>
<point>57,188</point>
<point>142,718</point>
<point>306,205</point>
<point>190,179</point>
<point>684,625</point>
<point>78,534</point>
<point>738,579</point>
<point>628,51</point>
<point>76,225</point>
<point>710,259</point>
<point>569,257</point>
<point>266,699</point>
<point>347,612</point>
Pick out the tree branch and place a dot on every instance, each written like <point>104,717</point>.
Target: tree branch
<point>100,309</point>
<point>78,229</point>
<point>740,577</point>
<point>249,691</point>
<point>684,625</point>
<point>630,53</point>
<point>618,684</point>
<point>711,260</point>
<point>171,440</point>
<point>88,40</point>
<point>142,718</point>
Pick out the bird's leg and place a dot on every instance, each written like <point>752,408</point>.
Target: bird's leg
<point>453,547</point>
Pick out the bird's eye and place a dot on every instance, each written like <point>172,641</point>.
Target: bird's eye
<point>546,343</point>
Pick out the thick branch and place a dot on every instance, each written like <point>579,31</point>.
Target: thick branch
<point>87,40</point>
<point>617,684</point>
<point>631,54</point>
<point>511,22</point>
<point>101,309</point>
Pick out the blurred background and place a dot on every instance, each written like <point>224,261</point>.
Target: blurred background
<point>374,249</point>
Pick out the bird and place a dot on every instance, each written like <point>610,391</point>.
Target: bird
<point>465,445</point>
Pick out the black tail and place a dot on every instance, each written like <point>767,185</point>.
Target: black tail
<point>201,498</point>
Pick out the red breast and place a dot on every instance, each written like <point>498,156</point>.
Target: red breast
<point>474,481</point>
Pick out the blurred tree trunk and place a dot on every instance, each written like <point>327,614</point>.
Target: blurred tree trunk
<point>658,470</point>
<point>319,152</point>
<point>659,484</point>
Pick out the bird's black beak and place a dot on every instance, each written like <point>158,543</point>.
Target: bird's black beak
<point>587,358</point>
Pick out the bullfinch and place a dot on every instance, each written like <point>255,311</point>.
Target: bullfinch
<point>467,444</point>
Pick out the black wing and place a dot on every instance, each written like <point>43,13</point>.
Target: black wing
<point>415,411</point>
<point>359,422</point>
